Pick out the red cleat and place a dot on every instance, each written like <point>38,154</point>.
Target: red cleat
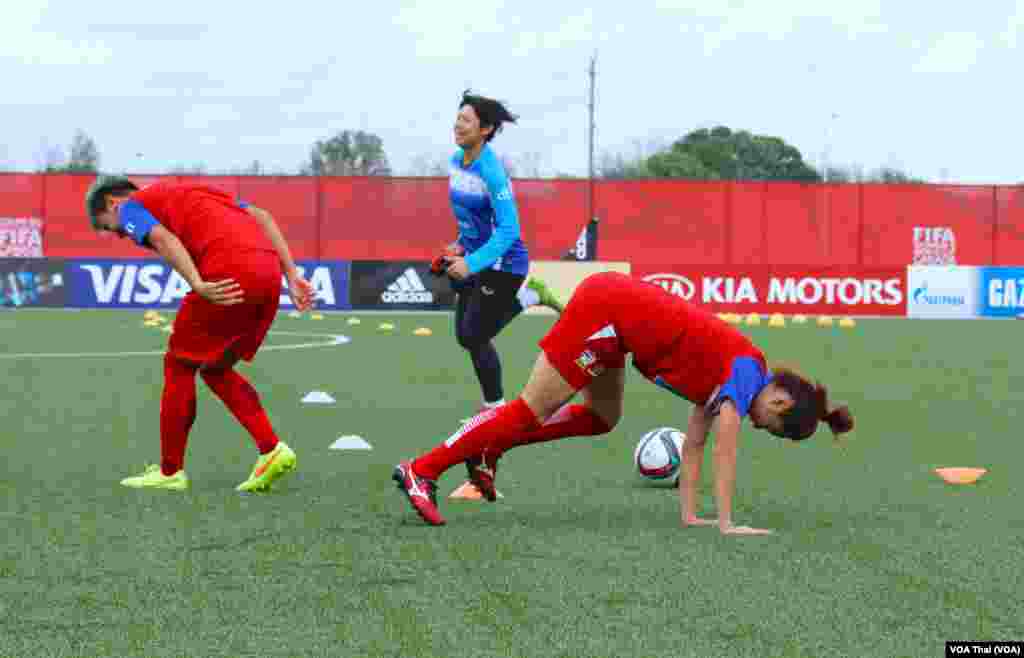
<point>421,492</point>
<point>482,472</point>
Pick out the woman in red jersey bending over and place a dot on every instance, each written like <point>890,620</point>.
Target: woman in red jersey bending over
<point>233,257</point>
<point>679,347</point>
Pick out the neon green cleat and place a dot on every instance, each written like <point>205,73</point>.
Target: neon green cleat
<point>152,478</point>
<point>269,468</point>
<point>547,298</point>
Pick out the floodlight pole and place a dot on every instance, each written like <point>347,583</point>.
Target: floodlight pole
<point>592,72</point>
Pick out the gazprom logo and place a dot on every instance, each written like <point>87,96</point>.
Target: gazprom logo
<point>921,296</point>
<point>1006,293</point>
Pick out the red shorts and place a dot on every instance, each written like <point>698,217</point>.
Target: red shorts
<point>583,344</point>
<point>204,331</point>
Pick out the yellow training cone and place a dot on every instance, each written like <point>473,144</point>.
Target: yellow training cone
<point>960,475</point>
<point>847,323</point>
<point>734,318</point>
<point>799,319</point>
<point>386,326</point>
<point>777,320</point>
<point>317,316</point>
<point>354,321</point>
<point>824,321</point>
<point>423,331</point>
<point>753,319</point>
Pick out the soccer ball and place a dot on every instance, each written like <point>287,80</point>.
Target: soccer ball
<point>659,454</point>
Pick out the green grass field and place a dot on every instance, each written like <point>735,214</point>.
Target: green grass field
<point>873,555</point>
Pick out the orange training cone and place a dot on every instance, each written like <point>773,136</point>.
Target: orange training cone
<point>960,475</point>
<point>468,491</point>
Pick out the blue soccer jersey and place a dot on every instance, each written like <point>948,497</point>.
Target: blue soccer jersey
<point>136,221</point>
<point>481,198</point>
<point>746,380</point>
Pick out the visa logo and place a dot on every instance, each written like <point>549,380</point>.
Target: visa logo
<point>158,284</point>
<point>146,284</point>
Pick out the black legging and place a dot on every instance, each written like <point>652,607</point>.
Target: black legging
<point>486,304</point>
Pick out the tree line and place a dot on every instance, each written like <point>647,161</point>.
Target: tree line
<point>718,153</point>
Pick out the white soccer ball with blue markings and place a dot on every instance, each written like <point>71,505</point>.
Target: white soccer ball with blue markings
<point>659,454</point>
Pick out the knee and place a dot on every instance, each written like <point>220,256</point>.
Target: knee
<point>608,416</point>
<point>211,375</point>
<point>469,339</point>
<point>175,364</point>
<point>226,362</point>
<point>546,408</point>
<point>611,419</point>
<point>464,341</point>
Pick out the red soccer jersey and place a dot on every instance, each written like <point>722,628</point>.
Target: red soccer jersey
<point>674,343</point>
<point>205,219</point>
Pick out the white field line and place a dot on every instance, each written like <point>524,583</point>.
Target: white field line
<point>330,340</point>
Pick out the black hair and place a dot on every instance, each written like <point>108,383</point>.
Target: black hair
<point>810,406</point>
<point>118,187</point>
<point>492,113</point>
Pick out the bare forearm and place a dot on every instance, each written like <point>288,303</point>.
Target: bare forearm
<point>266,220</point>
<point>693,455</point>
<point>171,248</point>
<point>725,484</point>
<point>693,458</point>
<point>726,437</point>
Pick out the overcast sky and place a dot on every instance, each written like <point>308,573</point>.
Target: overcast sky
<point>930,87</point>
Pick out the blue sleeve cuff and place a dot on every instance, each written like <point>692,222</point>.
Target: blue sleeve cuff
<point>242,204</point>
<point>476,262</point>
<point>746,380</point>
<point>136,221</point>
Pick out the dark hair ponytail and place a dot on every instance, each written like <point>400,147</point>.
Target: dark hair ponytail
<point>810,406</point>
<point>492,113</point>
<point>839,420</point>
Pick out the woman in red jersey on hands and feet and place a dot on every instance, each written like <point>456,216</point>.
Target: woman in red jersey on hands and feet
<point>233,256</point>
<point>679,347</point>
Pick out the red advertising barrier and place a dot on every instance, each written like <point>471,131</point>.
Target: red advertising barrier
<point>944,224</point>
<point>642,222</point>
<point>679,224</point>
<point>840,290</point>
<point>1009,233</point>
<point>410,218</point>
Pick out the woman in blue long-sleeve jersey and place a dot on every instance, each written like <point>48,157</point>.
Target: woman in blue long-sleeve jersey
<point>488,263</point>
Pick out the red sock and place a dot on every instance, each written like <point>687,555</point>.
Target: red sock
<point>177,413</point>
<point>511,420</point>
<point>244,403</point>
<point>570,420</point>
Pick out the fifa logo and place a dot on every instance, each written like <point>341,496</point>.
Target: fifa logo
<point>588,363</point>
<point>934,246</point>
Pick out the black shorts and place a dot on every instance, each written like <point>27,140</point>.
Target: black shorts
<point>486,303</point>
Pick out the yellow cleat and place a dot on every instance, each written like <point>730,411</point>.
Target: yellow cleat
<point>269,468</point>
<point>547,298</point>
<point>153,478</point>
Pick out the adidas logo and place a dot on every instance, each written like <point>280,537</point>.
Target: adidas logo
<point>408,288</point>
